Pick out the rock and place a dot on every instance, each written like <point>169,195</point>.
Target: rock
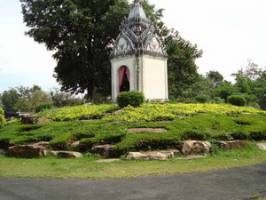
<point>107,150</point>
<point>234,144</point>
<point>152,155</point>
<point>194,147</point>
<point>76,146</point>
<point>41,144</point>
<point>65,154</point>
<point>27,118</point>
<point>2,152</point>
<point>43,120</point>
<point>262,146</point>
<point>79,146</point>
<point>27,151</point>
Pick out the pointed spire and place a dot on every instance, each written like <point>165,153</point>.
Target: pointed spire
<point>137,1</point>
<point>137,10</point>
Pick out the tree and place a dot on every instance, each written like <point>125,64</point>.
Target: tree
<point>80,33</point>
<point>23,99</point>
<point>224,90</point>
<point>31,98</point>
<point>182,69</point>
<point>61,99</point>
<point>215,77</point>
<point>9,98</point>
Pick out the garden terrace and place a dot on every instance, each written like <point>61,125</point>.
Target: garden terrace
<point>180,122</point>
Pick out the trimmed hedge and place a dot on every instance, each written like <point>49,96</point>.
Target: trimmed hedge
<point>237,100</point>
<point>134,99</point>
<point>202,98</point>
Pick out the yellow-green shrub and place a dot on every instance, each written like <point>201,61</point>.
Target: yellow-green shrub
<point>2,118</point>
<point>78,112</point>
<point>166,112</point>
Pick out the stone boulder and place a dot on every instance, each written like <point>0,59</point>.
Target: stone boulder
<point>106,150</point>
<point>194,147</point>
<point>234,144</point>
<point>65,154</point>
<point>262,146</point>
<point>41,144</point>
<point>2,152</point>
<point>78,146</point>
<point>27,118</point>
<point>152,155</point>
<point>27,151</point>
<point>43,120</point>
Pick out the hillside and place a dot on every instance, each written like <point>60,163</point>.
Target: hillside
<point>149,127</point>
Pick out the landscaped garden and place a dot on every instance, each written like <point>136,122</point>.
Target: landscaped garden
<point>188,137</point>
<point>105,124</point>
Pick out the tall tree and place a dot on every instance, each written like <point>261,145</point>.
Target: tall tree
<point>215,77</point>
<point>79,32</point>
<point>181,64</point>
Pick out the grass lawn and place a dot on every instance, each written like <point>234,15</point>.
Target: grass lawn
<point>87,167</point>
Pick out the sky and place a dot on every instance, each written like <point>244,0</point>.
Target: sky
<point>230,32</point>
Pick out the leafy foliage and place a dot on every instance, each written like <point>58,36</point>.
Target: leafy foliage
<point>237,100</point>
<point>61,99</point>
<point>24,99</point>
<point>2,118</point>
<point>181,64</point>
<point>78,112</point>
<point>134,99</point>
<point>79,32</point>
<point>43,107</point>
<point>166,112</point>
<point>202,99</point>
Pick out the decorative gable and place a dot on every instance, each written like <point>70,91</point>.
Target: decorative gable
<point>138,35</point>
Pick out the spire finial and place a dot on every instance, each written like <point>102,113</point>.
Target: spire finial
<point>137,1</point>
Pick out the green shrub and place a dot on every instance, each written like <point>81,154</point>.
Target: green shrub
<point>262,102</point>
<point>218,100</point>
<point>202,99</point>
<point>258,135</point>
<point>240,135</point>
<point>2,118</point>
<point>43,107</point>
<point>134,99</point>
<point>237,100</point>
<point>195,135</point>
<point>83,112</point>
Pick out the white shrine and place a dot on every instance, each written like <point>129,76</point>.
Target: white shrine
<point>139,62</point>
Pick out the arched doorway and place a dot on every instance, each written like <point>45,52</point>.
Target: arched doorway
<point>124,80</point>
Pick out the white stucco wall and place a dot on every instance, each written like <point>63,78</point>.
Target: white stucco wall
<point>155,78</point>
<point>130,62</point>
